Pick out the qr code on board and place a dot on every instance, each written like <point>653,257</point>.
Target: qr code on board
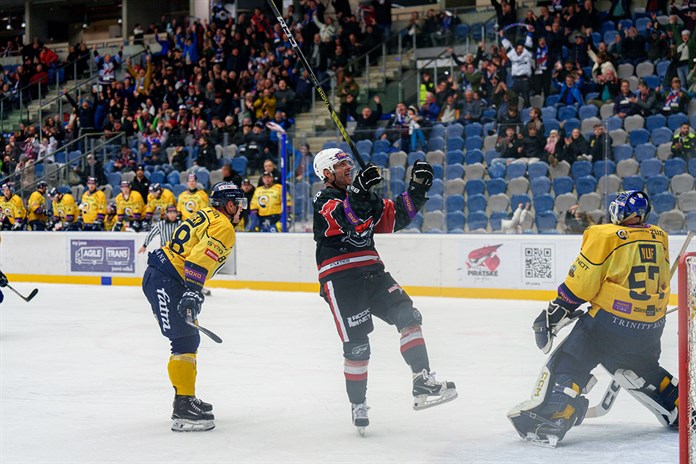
<point>538,262</point>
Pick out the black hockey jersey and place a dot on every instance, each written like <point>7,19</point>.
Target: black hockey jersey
<point>344,228</point>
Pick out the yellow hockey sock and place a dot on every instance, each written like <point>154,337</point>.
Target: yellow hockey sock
<point>182,373</point>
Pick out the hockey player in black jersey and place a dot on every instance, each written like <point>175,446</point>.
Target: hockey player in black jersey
<point>353,281</point>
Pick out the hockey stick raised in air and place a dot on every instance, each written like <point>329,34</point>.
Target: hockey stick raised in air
<point>613,389</point>
<point>212,335</point>
<point>25,298</point>
<point>315,82</point>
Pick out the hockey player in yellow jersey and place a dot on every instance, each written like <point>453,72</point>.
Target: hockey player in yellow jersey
<point>93,207</point>
<point>173,284</point>
<point>266,206</point>
<point>158,200</point>
<point>37,215</point>
<point>111,218</point>
<point>129,207</point>
<point>12,209</point>
<point>623,272</point>
<point>192,199</point>
<point>64,211</point>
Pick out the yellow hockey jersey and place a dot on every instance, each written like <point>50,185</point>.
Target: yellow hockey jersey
<point>12,209</point>
<point>131,208</point>
<point>191,202</point>
<point>268,201</point>
<point>200,246</point>
<point>93,206</point>
<point>157,207</point>
<point>65,209</point>
<point>623,271</point>
<point>110,223</point>
<point>36,207</point>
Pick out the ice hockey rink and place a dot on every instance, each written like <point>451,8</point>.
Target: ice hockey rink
<point>83,379</point>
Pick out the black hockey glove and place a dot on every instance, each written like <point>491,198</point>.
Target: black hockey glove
<point>3,280</point>
<point>422,173</point>
<point>365,180</point>
<point>50,224</point>
<point>17,225</point>
<point>190,305</point>
<point>136,225</point>
<point>98,224</point>
<point>550,321</point>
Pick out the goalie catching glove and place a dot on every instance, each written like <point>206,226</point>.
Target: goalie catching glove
<point>550,322</point>
<point>190,305</point>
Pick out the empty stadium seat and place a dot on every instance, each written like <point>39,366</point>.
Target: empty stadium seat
<point>540,185</point>
<point>622,152</point>
<point>477,221</point>
<point>650,167</point>
<point>473,129</point>
<point>329,144</point>
<point>638,136</point>
<point>496,185</point>
<point>475,186</point>
<point>454,171</point>
<point>380,146</point>
<point>537,169</point>
<point>398,158</point>
<point>517,186</point>
<point>546,222</point>
<point>474,171</point>
<point>159,178</point>
<point>627,167</point>
<point>476,202</point>
<point>661,135</point>
<point>454,186</point>
<point>590,201</point>
<point>364,147</point>
<point>473,143</point>
<point>239,164</point>
<point>497,170</point>
<point>566,112</point>
<point>632,183</point>
<point>415,155</point>
<point>455,222</point>
<point>681,183</point>
<point>674,166</point>
<point>397,172</point>
<point>692,166</point>
<point>454,130</point>
<point>455,157</point>
<point>687,201</point>
<point>438,187</point>
<point>380,159</point>
<point>564,201</point>
<point>676,120</point>
<point>543,202</point>
<point>645,151</point>
<point>436,143</point>
<point>523,198</point>
<point>609,184</point>
<point>434,203</point>
<point>672,221</point>
<point>456,143</point>
<point>498,202</point>
<point>587,111</point>
<point>438,130</point>
<point>581,169</point>
<point>433,222</point>
<point>454,203</point>
<point>691,221</point>
<point>603,168</point>
<point>473,156</point>
<point>655,121</point>
<point>563,185</point>
<point>585,184</point>
<point>516,169</point>
<point>435,157</point>
<point>569,125</point>
<point>496,220</point>
<point>664,201</point>
<point>397,186</point>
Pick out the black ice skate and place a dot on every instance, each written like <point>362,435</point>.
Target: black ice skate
<point>360,420</point>
<point>428,392</point>
<point>189,415</point>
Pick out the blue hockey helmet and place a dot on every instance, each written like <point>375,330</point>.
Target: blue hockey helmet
<point>629,204</point>
<point>222,192</point>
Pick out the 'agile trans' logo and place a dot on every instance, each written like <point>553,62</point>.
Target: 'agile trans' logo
<point>483,262</point>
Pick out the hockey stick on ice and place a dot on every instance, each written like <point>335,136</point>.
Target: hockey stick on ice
<point>315,82</point>
<point>25,298</point>
<point>614,388</point>
<point>212,335</point>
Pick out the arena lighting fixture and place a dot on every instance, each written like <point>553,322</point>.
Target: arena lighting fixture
<point>120,21</point>
<point>9,26</point>
<point>24,24</point>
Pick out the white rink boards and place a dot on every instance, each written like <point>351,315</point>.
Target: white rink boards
<point>83,380</point>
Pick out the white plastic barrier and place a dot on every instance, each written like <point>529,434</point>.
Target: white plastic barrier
<point>484,266</point>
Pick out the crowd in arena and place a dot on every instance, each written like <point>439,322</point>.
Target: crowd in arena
<point>557,85</point>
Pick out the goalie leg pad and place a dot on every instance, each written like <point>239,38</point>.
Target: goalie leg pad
<point>661,400</point>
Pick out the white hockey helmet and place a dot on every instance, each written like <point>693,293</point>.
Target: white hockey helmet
<point>327,159</point>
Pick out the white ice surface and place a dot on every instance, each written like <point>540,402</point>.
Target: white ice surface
<point>83,379</point>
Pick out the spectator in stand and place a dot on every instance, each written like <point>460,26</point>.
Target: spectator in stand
<point>577,52</point>
<point>508,145</point>
<point>553,147</point>
<point>676,99</point>
<point>631,46</point>
<point>646,101</point>
<point>248,190</point>
<point>570,94</point>
<point>589,16</point>
<point>141,183</point>
<point>444,34</point>
<point>684,143</point>
<point>532,144</point>
<point>505,12</point>
<point>576,148</point>
<point>417,138</point>
<point>608,89</point>
<point>541,79</point>
<point>535,118</point>
<point>397,127</point>
<point>625,101</point>
<point>522,220</point>
<point>509,118</point>
<point>430,109</point>
<point>269,167</point>
<point>522,62</point>
<point>366,121</point>
<point>92,170</point>
<point>125,161</point>
<point>304,165</point>
<point>426,85</point>
<point>107,65</point>
<point>682,56</point>
<point>84,112</point>
<point>449,112</point>
<point>658,46</point>
<point>576,221</point>
<point>383,18</point>
<point>598,148</point>
<point>285,98</point>
<point>348,91</point>
<point>471,109</point>
<point>179,157</point>
<point>207,158</point>
<point>230,175</point>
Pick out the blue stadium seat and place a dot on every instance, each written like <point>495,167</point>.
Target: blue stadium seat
<point>454,171</point>
<point>454,203</point>
<point>676,120</point>
<point>345,147</point>
<point>434,203</point>
<point>475,186</point>
<point>520,198</point>
<point>610,36</point>
<point>585,184</point>
<point>114,179</point>
<point>489,128</point>
<point>477,220</point>
<point>674,166</point>
<point>543,202</point>
<point>167,186</point>
<point>570,125</point>
<point>645,151</point>
<point>548,112</point>
<point>474,156</point>
<point>365,157</point>
<point>607,26</point>
<point>654,121</point>
<point>650,167</point>
<point>381,146</point>
<point>537,169</point>
<point>397,186</point>
<point>476,202</point>
<point>661,68</point>
<point>613,123</point>
<point>381,159</point>
<point>203,178</point>
<point>456,130</point>
<point>587,111</point>
<point>551,100</point>
<point>455,222</point>
<point>364,147</point>
<point>633,183</point>
<point>461,32</point>
<point>157,177</point>
<point>496,220</point>
<point>652,81</point>
<point>178,189</point>
<point>562,184</point>
<point>488,115</point>
<point>551,124</point>
<point>329,144</point>
<point>566,112</point>
<point>603,168</point>
<point>473,129</point>
<point>455,157</point>
<point>596,38</point>
<point>546,222</point>
<point>173,178</point>
<point>661,135</point>
<point>490,156</point>
<point>656,184</point>
<point>73,157</point>
<point>239,164</point>
<point>455,143</point>
<point>692,166</point>
<point>495,186</point>
<point>438,187</point>
<point>438,130</point>
<point>477,30</point>
<point>436,143</point>
<point>473,143</point>
<point>525,115</point>
<point>691,221</point>
<point>415,155</point>
<point>664,201</point>
<point>622,152</point>
<point>540,185</point>
<point>515,170</point>
<point>397,172</point>
<point>438,171</point>
<point>638,136</point>
<point>580,169</point>
<point>642,25</point>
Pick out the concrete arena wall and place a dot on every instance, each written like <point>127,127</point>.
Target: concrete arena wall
<point>512,267</point>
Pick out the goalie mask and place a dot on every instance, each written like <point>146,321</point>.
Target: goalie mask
<point>629,204</point>
<point>327,159</point>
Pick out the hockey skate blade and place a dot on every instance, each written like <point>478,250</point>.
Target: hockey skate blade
<point>421,402</point>
<point>551,441</point>
<point>361,431</point>
<point>185,425</point>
